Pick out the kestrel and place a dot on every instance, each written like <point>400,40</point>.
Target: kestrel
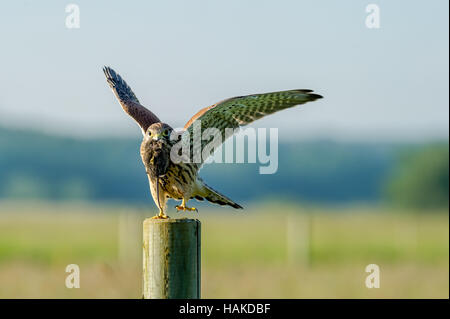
<point>180,181</point>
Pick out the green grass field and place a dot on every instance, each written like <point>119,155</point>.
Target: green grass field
<point>263,252</point>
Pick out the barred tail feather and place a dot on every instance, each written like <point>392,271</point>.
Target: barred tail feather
<point>213,196</point>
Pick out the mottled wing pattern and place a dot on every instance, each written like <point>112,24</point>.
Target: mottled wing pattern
<point>242,110</point>
<point>128,100</point>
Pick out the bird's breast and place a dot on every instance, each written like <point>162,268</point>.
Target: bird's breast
<point>179,180</point>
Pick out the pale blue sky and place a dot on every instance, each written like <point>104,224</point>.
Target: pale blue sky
<point>178,56</point>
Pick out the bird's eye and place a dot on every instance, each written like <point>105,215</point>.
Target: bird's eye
<point>149,133</point>
<point>166,133</point>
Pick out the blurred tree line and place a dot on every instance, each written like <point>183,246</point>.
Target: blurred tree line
<point>36,165</point>
<point>420,178</point>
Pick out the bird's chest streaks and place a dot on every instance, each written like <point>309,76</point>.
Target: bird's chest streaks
<point>176,180</point>
<point>179,180</point>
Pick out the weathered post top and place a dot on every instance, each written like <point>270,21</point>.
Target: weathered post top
<point>171,258</point>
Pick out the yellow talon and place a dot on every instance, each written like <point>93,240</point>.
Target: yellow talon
<point>183,207</point>
<point>161,215</point>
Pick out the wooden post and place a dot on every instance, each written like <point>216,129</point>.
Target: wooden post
<point>171,258</point>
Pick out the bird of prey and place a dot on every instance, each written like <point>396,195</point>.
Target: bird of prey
<point>180,180</point>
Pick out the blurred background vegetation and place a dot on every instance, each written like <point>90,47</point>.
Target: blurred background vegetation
<point>308,231</point>
<point>48,167</point>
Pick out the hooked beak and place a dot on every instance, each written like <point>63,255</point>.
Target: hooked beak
<point>156,137</point>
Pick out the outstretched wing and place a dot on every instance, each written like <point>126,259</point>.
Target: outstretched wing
<point>240,111</point>
<point>129,102</point>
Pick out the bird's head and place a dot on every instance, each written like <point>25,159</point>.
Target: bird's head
<point>158,132</point>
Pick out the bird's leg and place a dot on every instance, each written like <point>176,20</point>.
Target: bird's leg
<point>183,207</point>
<point>161,214</point>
